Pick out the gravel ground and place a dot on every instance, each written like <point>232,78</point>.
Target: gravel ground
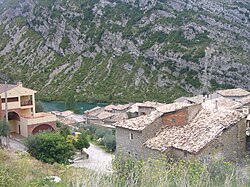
<point>98,160</point>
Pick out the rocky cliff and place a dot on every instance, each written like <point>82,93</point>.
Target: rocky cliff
<point>125,50</point>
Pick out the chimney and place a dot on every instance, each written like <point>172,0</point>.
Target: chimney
<point>216,104</point>
<point>19,83</point>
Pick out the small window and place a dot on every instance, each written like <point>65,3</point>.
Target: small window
<point>131,136</point>
<point>185,153</point>
<point>173,120</point>
<point>136,156</point>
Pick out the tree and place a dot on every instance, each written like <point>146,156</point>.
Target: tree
<point>109,141</point>
<point>81,142</point>
<point>50,147</point>
<point>4,130</point>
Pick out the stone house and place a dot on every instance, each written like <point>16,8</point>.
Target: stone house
<point>21,111</point>
<point>233,94</point>
<point>184,131</point>
<point>131,134</point>
<point>117,108</point>
<point>147,107</point>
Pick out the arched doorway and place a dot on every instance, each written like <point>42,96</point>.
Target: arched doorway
<point>14,121</point>
<point>42,128</point>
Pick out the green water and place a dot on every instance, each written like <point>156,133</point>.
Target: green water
<point>60,106</point>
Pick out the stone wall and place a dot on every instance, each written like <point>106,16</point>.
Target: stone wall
<point>127,146</point>
<point>193,110</point>
<point>134,147</point>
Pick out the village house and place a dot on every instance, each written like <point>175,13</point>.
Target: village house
<point>106,116</point>
<point>117,108</point>
<point>233,94</point>
<point>22,115</point>
<point>147,107</point>
<point>131,134</point>
<point>184,130</point>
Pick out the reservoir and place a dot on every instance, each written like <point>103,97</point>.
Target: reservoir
<point>60,106</point>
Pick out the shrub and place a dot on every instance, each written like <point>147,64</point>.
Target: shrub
<point>109,141</point>
<point>81,142</point>
<point>100,132</point>
<point>49,147</point>
<point>65,131</point>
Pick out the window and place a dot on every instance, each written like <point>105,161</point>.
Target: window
<point>185,153</point>
<point>131,136</point>
<point>173,120</point>
<point>136,156</point>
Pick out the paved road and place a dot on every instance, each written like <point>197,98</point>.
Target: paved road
<point>16,145</point>
<point>98,160</point>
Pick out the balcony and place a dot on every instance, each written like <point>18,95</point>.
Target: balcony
<point>39,118</point>
<point>26,103</point>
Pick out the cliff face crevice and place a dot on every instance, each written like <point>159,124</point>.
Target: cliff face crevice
<point>125,50</point>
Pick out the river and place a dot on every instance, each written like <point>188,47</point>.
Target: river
<point>60,106</point>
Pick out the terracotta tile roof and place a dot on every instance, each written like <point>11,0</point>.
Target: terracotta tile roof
<point>245,100</point>
<point>119,117</point>
<point>222,103</point>
<point>134,108</point>
<point>233,92</point>
<point>121,107</point>
<point>117,107</point>
<point>150,104</point>
<point>109,107</point>
<point>66,113</point>
<point>104,115</point>
<point>208,124</point>
<point>9,87</point>
<point>94,111</point>
<point>139,123</point>
<point>172,107</point>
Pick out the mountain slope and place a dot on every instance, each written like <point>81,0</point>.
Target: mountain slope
<point>106,50</point>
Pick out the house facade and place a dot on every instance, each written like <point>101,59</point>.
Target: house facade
<point>22,117</point>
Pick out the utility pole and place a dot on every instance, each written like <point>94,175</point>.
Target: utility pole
<point>6,103</point>
<point>6,112</point>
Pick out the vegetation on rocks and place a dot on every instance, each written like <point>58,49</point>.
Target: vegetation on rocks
<point>119,51</point>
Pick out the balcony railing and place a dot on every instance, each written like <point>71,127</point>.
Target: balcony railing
<point>26,103</point>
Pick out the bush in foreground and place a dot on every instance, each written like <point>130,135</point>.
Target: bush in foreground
<point>50,147</point>
<point>22,170</point>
